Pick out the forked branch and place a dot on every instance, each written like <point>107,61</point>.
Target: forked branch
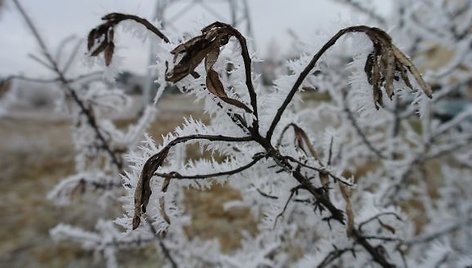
<point>382,64</point>
<point>143,188</point>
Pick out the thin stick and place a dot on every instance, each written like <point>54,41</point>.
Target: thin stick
<point>292,192</point>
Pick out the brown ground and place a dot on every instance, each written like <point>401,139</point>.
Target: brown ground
<point>36,154</point>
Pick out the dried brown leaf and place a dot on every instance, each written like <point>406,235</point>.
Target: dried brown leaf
<point>162,202</point>
<point>194,50</point>
<point>91,38</point>
<point>100,48</point>
<point>376,82</point>
<point>369,64</point>
<point>162,209</point>
<point>215,86</point>
<point>381,65</point>
<point>301,138</point>
<point>404,75</point>
<point>108,54</point>
<point>165,185</point>
<point>206,45</point>
<point>389,70</point>
<point>405,61</point>
<point>346,193</point>
<point>143,188</point>
<point>211,59</point>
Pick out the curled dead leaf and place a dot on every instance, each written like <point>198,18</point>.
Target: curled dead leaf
<point>215,87</point>
<point>206,45</point>
<point>162,202</point>
<point>143,187</point>
<point>211,58</point>
<point>302,140</point>
<point>108,54</point>
<point>102,35</point>
<point>384,62</point>
<point>346,194</point>
<point>100,38</point>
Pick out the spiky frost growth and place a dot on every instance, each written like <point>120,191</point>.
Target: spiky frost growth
<point>369,177</point>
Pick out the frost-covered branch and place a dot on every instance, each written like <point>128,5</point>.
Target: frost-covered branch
<point>372,174</point>
<point>380,67</point>
<point>383,48</point>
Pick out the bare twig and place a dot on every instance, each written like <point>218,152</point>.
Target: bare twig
<point>376,217</point>
<point>321,170</point>
<point>176,175</point>
<point>292,192</point>
<point>333,255</point>
<point>41,62</point>
<point>377,255</point>
<point>383,238</point>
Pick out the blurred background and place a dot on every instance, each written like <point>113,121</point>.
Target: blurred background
<point>35,139</point>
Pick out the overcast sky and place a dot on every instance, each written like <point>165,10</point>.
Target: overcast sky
<point>57,19</point>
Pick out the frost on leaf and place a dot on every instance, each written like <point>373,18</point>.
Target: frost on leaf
<point>384,62</point>
<point>101,38</point>
<point>205,46</point>
<point>143,188</point>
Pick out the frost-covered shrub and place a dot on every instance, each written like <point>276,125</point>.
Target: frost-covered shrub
<point>368,178</point>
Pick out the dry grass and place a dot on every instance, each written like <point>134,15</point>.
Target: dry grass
<point>211,221</point>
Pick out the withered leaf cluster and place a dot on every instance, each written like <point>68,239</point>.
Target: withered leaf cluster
<point>384,62</point>
<point>100,38</point>
<point>205,47</point>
